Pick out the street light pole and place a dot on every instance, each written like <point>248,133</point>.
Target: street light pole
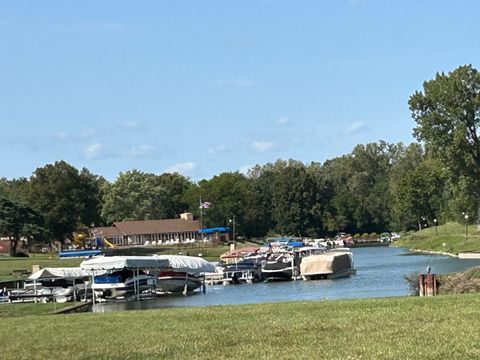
<point>466,227</point>
<point>436,223</point>
<point>232,220</point>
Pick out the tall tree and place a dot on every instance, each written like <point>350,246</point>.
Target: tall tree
<point>447,113</point>
<point>66,198</point>
<point>18,220</point>
<point>136,195</point>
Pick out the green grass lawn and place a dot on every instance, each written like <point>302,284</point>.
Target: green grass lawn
<point>448,238</point>
<point>443,327</point>
<point>8,264</point>
<point>23,309</point>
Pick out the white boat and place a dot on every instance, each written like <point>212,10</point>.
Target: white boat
<point>176,282</point>
<point>117,277</point>
<point>52,284</point>
<point>329,265</point>
<point>122,284</point>
<point>183,274</point>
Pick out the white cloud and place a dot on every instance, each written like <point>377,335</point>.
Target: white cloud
<point>87,133</point>
<point>356,127</point>
<point>132,125</point>
<point>239,82</point>
<point>182,168</point>
<point>93,150</point>
<point>245,169</point>
<point>216,149</point>
<point>262,146</point>
<point>141,150</point>
<point>282,120</point>
<point>61,135</point>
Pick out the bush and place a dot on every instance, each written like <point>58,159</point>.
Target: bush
<point>21,254</point>
<point>412,281</point>
<point>365,236</point>
<point>356,236</point>
<point>373,235</point>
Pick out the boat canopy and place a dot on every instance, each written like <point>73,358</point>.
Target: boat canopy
<point>191,264</point>
<point>121,262</point>
<point>214,230</point>
<point>68,273</point>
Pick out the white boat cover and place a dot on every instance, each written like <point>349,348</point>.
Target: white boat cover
<point>121,262</point>
<point>68,273</point>
<point>191,264</point>
<point>328,263</point>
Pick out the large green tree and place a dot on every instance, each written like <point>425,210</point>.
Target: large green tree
<point>65,197</point>
<point>18,220</point>
<point>136,195</point>
<point>447,113</point>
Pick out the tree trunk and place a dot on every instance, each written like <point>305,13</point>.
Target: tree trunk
<point>13,246</point>
<point>478,220</point>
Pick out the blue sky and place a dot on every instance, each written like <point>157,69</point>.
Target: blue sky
<point>203,87</point>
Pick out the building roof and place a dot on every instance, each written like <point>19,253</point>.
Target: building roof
<point>108,232</point>
<point>157,226</point>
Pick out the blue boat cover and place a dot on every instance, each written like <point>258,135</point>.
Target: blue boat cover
<point>79,253</point>
<point>214,230</point>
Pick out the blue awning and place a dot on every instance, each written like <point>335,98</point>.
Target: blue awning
<point>214,230</point>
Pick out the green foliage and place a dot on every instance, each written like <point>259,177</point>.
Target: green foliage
<point>65,197</point>
<point>141,196</point>
<point>18,220</point>
<point>373,235</point>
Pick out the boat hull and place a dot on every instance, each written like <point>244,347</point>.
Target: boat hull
<point>175,282</point>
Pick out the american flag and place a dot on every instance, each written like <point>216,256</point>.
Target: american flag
<point>205,205</point>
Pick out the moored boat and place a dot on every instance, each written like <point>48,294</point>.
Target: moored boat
<point>330,265</point>
<point>177,281</point>
<point>121,284</point>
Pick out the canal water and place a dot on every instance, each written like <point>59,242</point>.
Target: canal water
<point>380,273</point>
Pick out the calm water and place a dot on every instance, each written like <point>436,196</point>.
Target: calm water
<point>380,272</point>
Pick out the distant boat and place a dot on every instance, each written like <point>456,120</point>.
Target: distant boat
<point>280,267</point>
<point>330,265</point>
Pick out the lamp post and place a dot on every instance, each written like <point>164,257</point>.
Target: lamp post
<point>232,221</point>
<point>466,227</point>
<point>436,223</point>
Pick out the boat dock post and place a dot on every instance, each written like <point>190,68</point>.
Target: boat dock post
<point>427,284</point>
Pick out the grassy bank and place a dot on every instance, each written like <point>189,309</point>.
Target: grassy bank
<point>449,238</point>
<point>9,264</point>
<point>397,328</point>
<point>24,309</point>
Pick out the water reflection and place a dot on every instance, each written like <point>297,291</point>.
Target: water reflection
<point>380,273</point>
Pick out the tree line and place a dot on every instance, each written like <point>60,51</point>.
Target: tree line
<point>376,187</point>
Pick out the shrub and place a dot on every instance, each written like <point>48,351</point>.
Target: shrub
<point>356,236</point>
<point>373,235</point>
<point>365,236</point>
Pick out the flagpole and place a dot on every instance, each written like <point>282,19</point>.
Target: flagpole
<point>201,217</point>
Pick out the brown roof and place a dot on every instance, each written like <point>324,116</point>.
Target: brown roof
<point>108,232</point>
<point>157,226</point>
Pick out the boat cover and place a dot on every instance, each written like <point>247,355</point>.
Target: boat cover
<point>328,263</point>
<point>121,262</point>
<point>191,264</point>
<point>68,273</point>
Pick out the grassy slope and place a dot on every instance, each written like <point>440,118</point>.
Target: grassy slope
<point>8,264</point>
<point>448,238</point>
<point>24,309</point>
<point>397,328</point>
